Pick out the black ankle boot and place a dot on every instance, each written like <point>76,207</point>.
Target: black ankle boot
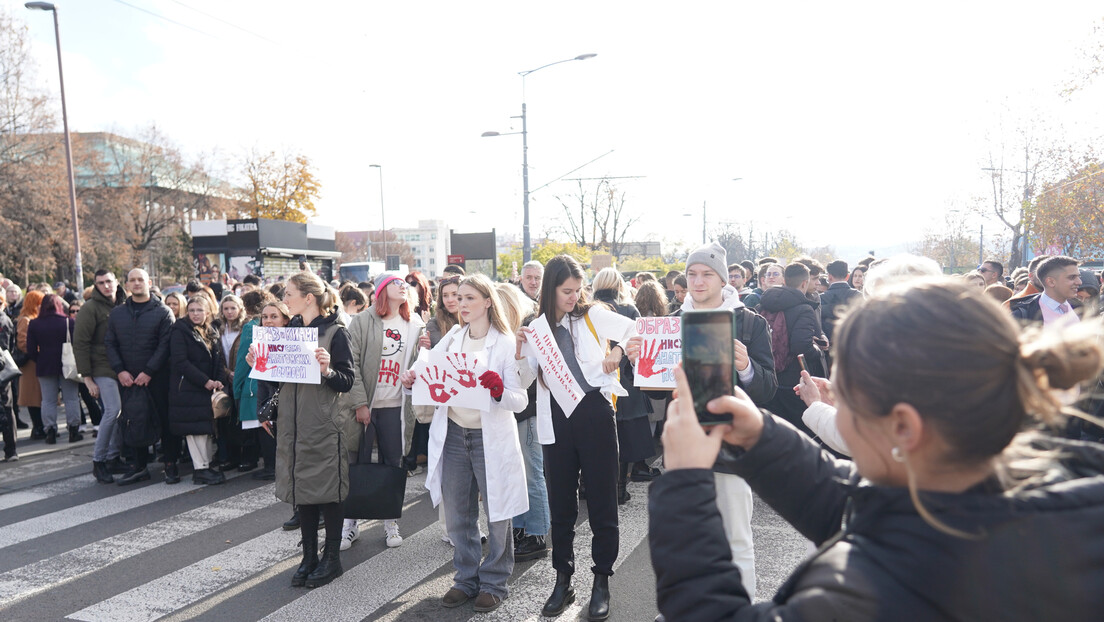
<point>599,608</point>
<point>623,495</point>
<point>74,434</point>
<point>51,436</point>
<point>329,568</point>
<point>292,523</point>
<point>562,596</point>
<point>310,562</point>
<point>172,473</point>
<point>100,472</point>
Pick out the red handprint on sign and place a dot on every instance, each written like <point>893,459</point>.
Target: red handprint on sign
<point>262,358</point>
<point>645,365</point>
<point>436,382</point>
<point>464,376</point>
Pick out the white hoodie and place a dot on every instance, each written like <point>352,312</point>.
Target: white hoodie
<point>730,299</point>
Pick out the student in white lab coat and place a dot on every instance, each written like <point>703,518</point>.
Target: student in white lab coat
<point>584,441</point>
<point>477,451</point>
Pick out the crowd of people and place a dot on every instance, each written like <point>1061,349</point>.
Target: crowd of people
<point>930,416</point>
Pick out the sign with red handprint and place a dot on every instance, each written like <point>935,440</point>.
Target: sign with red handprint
<point>660,352</point>
<point>285,354</point>
<point>450,379</point>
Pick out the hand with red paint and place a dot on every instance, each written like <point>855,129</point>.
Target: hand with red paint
<point>492,382</point>
<point>464,376</point>
<point>435,379</point>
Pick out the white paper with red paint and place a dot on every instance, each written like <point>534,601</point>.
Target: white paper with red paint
<point>660,352</point>
<point>557,375</point>
<point>285,354</point>
<point>451,379</point>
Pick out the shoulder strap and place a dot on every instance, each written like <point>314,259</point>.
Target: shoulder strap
<point>594,332</point>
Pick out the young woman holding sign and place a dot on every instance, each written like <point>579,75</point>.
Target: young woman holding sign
<point>475,451</point>
<point>311,468</point>
<point>585,441</point>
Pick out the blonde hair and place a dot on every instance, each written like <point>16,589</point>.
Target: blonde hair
<point>610,278</point>
<point>515,305</point>
<point>486,288</point>
<point>242,319</point>
<point>324,295</point>
<point>954,355</point>
<point>204,331</point>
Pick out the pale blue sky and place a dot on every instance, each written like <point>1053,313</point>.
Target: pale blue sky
<point>853,124</point>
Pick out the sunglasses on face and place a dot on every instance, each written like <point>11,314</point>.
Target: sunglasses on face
<point>74,311</point>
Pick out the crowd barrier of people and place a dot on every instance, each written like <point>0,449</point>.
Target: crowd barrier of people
<point>936,439</point>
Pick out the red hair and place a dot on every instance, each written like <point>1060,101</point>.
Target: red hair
<point>383,305</point>
<point>424,300</point>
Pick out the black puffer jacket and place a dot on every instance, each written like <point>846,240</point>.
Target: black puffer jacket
<point>193,364</point>
<point>137,337</point>
<point>1041,558</point>
<point>839,297</point>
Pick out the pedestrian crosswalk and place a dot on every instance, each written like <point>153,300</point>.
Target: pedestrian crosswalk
<point>72,549</point>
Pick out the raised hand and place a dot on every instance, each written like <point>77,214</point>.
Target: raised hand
<point>464,376</point>
<point>435,379</point>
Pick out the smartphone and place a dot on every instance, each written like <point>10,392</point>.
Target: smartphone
<point>801,359</point>
<point>708,359</point>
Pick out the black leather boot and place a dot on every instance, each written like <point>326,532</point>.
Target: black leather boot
<point>562,596</point>
<point>329,568</point>
<point>74,434</point>
<point>134,476</point>
<point>599,608</point>
<point>310,562</point>
<point>292,523</point>
<point>51,436</point>
<point>102,475</point>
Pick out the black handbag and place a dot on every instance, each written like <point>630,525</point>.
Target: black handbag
<point>375,490</point>
<point>139,420</point>
<point>20,357</point>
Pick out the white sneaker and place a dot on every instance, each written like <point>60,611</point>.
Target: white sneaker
<point>391,527</point>
<point>348,536</point>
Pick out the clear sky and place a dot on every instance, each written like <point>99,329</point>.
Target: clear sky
<point>853,124</point>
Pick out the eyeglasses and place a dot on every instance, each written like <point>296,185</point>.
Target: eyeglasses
<point>983,270</point>
<point>74,311</point>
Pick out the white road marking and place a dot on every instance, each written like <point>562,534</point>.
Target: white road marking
<point>38,493</point>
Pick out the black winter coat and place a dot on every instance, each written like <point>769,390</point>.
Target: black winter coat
<point>1041,558</point>
<point>137,337</point>
<point>192,365</point>
<point>1026,309</point>
<point>833,302</point>
<point>45,337</point>
<point>801,323</point>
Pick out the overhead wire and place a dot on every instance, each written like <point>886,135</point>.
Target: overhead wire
<point>167,19</point>
<point>230,24</point>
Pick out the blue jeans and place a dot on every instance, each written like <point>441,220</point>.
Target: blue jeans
<point>69,393</point>
<point>109,440</point>
<point>535,522</point>
<point>463,477</point>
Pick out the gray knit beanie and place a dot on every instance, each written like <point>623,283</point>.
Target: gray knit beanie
<point>713,256</point>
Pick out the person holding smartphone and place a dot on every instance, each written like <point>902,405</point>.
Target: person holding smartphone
<point>586,441</point>
<point>706,268</point>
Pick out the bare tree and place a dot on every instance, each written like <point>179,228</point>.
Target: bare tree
<point>597,218</point>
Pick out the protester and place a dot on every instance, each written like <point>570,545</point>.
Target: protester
<point>353,301</point>
<point>1033,286</point>
<point>13,297</point>
<point>231,317</point>
<point>587,441</point>
<point>858,276</point>
<point>46,334</point>
<point>1060,279</point>
<point>737,278</point>
<point>255,442</point>
<point>839,297</point>
<point>771,274</point>
<point>531,527</point>
<point>420,295</point>
<point>176,303</point>
<point>62,291</point>
<point>992,271</point>
<point>311,471</point>
<point>137,345</point>
<point>30,392</point>
<point>650,300</point>
<point>933,456</point>
<point>634,432</point>
<point>8,420</point>
<point>197,370</point>
<point>99,378</point>
<point>754,374</point>
<point>531,274</point>
<point>678,288</point>
<point>476,452</point>
<point>384,344</point>
<point>91,404</point>
<point>975,278</point>
<point>274,314</point>
<point>998,292</point>
<point>446,315</point>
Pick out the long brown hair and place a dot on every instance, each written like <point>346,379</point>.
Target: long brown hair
<point>651,300</point>
<point>205,331</point>
<point>954,355</point>
<point>424,294</point>
<point>558,270</point>
<point>445,320</point>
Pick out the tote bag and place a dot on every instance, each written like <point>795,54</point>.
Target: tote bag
<point>8,369</point>
<point>375,490</point>
<point>68,359</point>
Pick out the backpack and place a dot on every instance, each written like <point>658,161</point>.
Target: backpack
<point>138,417</point>
<point>780,339</point>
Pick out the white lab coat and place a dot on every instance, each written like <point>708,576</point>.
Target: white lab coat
<point>507,491</point>
<point>610,326</point>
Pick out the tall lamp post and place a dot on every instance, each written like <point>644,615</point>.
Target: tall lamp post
<point>526,249</point>
<point>46,6</point>
<point>383,216</point>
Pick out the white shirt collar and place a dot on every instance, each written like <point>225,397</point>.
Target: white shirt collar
<point>1051,303</point>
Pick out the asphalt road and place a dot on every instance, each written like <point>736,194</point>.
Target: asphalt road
<point>72,549</point>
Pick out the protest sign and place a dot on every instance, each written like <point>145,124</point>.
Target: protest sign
<point>557,375</point>
<point>285,354</point>
<point>660,352</point>
<point>451,379</point>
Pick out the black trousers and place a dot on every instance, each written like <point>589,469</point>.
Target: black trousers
<point>587,443</point>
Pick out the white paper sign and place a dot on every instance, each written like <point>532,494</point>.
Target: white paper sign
<point>660,352</point>
<point>285,354</point>
<point>451,379</point>
<point>557,375</point>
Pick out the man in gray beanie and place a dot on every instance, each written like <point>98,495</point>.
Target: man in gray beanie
<point>708,288</point>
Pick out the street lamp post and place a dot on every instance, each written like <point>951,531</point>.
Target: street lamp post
<point>383,217</point>
<point>46,6</point>
<point>527,250</point>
